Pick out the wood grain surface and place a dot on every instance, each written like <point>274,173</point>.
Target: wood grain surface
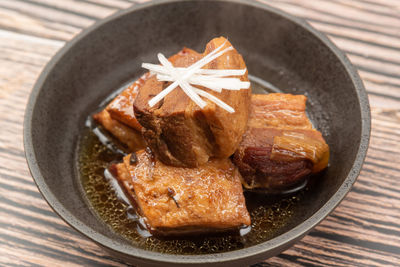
<point>363,231</point>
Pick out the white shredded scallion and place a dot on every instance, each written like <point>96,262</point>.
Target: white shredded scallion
<point>185,78</point>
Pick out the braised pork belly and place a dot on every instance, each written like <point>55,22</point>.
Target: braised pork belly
<point>178,131</point>
<point>121,108</point>
<point>128,136</point>
<point>181,201</point>
<point>119,120</point>
<point>183,178</point>
<point>280,147</point>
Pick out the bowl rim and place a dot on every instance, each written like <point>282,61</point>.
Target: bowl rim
<point>278,243</point>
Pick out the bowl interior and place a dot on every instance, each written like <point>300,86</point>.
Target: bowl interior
<point>274,47</point>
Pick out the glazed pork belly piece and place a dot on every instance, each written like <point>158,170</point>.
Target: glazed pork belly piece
<point>280,147</point>
<point>182,201</point>
<point>128,136</point>
<point>121,108</point>
<point>118,117</point>
<point>182,134</point>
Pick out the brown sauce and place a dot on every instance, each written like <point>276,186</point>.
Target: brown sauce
<point>270,214</point>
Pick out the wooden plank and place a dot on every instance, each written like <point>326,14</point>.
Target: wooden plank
<point>363,231</point>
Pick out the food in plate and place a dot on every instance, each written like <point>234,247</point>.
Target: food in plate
<point>199,135</point>
<point>119,119</point>
<point>181,133</point>
<point>280,147</point>
<point>128,136</point>
<point>176,200</point>
<point>120,108</point>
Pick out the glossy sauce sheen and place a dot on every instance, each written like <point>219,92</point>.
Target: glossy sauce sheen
<point>270,215</point>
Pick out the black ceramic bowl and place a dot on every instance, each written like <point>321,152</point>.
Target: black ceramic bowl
<point>277,47</point>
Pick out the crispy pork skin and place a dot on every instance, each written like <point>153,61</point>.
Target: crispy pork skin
<point>179,132</point>
<point>181,201</point>
<point>280,147</point>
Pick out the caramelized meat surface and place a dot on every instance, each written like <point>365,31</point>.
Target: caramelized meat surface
<point>121,108</point>
<point>182,134</point>
<point>280,146</point>
<point>119,119</point>
<point>126,135</point>
<point>176,200</point>
<point>278,111</point>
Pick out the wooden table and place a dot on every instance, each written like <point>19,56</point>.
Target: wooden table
<point>364,230</point>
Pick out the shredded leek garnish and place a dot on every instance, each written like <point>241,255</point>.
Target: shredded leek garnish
<point>185,78</point>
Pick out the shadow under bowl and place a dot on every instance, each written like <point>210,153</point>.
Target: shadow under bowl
<point>277,47</point>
